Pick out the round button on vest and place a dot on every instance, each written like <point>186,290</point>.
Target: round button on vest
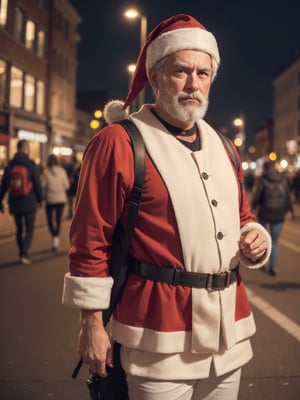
<point>214,203</point>
<point>204,175</point>
<point>220,235</point>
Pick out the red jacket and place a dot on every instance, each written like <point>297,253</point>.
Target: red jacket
<point>177,227</point>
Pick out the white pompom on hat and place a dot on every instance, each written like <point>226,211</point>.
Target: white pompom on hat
<point>180,32</point>
<point>115,111</point>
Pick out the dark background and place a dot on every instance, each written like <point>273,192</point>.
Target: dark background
<point>256,39</point>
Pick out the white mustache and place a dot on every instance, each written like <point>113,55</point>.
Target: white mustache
<point>196,96</point>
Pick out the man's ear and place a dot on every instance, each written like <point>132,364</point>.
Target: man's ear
<point>153,75</point>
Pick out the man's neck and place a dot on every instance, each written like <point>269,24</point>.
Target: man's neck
<point>161,113</point>
<point>187,135</point>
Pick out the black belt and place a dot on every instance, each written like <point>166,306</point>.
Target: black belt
<point>175,276</point>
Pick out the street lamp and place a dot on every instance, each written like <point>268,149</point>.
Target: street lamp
<point>133,13</point>
<point>131,69</point>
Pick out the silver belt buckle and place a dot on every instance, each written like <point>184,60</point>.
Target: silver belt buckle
<point>210,281</point>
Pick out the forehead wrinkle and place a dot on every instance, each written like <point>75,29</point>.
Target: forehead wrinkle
<point>190,65</point>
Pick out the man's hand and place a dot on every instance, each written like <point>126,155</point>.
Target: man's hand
<point>253,244</point>
<point>94,344</point>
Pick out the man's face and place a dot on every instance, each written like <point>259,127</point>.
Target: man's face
<point>182,87</point>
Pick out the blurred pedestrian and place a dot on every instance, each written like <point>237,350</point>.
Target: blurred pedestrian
<point>21,180</point>
<point>272,198</point>
<point>184,322</point>
<point>249,181</point>
<point>55,184</point>
<point>296,187</point>
<point>72,168</point>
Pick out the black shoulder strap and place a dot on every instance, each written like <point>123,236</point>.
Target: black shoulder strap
<point>233,157</point>
<point>139,174</point>
<point>118,265</point>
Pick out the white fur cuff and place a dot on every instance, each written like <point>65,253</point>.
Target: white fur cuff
<point>87,293</point>
<point>244,260</point>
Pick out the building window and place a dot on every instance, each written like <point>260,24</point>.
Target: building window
<point>16,87</point>
<point>3,74</point>
<point>3,12</point>
<point>40,97</point>
<point>40,51</point>
<point>29,93</point>
<point>30,35</point>
<point>19,25</point>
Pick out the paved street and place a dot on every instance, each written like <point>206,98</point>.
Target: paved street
<point>39,335</point>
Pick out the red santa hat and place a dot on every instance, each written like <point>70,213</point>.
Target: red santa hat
<point>180,32</point>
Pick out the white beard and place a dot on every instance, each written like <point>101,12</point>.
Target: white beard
<point>179,112</point>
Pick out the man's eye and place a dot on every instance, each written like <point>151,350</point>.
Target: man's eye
<point>203,73</point>
<point>179,71</point>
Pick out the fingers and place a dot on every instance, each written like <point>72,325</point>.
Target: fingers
<point>98,363</point>
<point>253,245</point>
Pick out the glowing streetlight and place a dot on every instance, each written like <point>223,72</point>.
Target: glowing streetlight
<point>239,139</point>
<point>98,114</point>
<point>94,124</point>
<point>239,122</point>
<point>131,68</point>
<point>273,156</point>
<point>133,13</point>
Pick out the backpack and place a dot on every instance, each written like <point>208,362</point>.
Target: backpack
<point>275,200</point>
<point>19,183</point>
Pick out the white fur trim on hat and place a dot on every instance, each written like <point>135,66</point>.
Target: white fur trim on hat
<point>87,293</point>
<point>114,111</point>
<point>244,260</point>
<point>183,39</point>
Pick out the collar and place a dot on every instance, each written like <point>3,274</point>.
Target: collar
<point>174,129</point>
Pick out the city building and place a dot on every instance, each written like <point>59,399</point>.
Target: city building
<point>286,114</point>
<point>263,139</point>
<point>38,63</point>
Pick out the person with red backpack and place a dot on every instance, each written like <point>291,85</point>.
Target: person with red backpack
<point>21,180</point>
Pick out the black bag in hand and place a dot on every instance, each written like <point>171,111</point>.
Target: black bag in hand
<point>114,386</point>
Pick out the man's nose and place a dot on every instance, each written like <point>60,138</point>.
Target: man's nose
<point>192,82</point>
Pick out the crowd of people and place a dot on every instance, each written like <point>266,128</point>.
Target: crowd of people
<point>28,187</point>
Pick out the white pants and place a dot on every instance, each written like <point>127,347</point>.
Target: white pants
<point>224,387</point>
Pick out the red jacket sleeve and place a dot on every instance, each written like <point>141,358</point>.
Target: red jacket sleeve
<point>104,186</point>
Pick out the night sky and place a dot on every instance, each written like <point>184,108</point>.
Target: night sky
<point>256,41</point>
